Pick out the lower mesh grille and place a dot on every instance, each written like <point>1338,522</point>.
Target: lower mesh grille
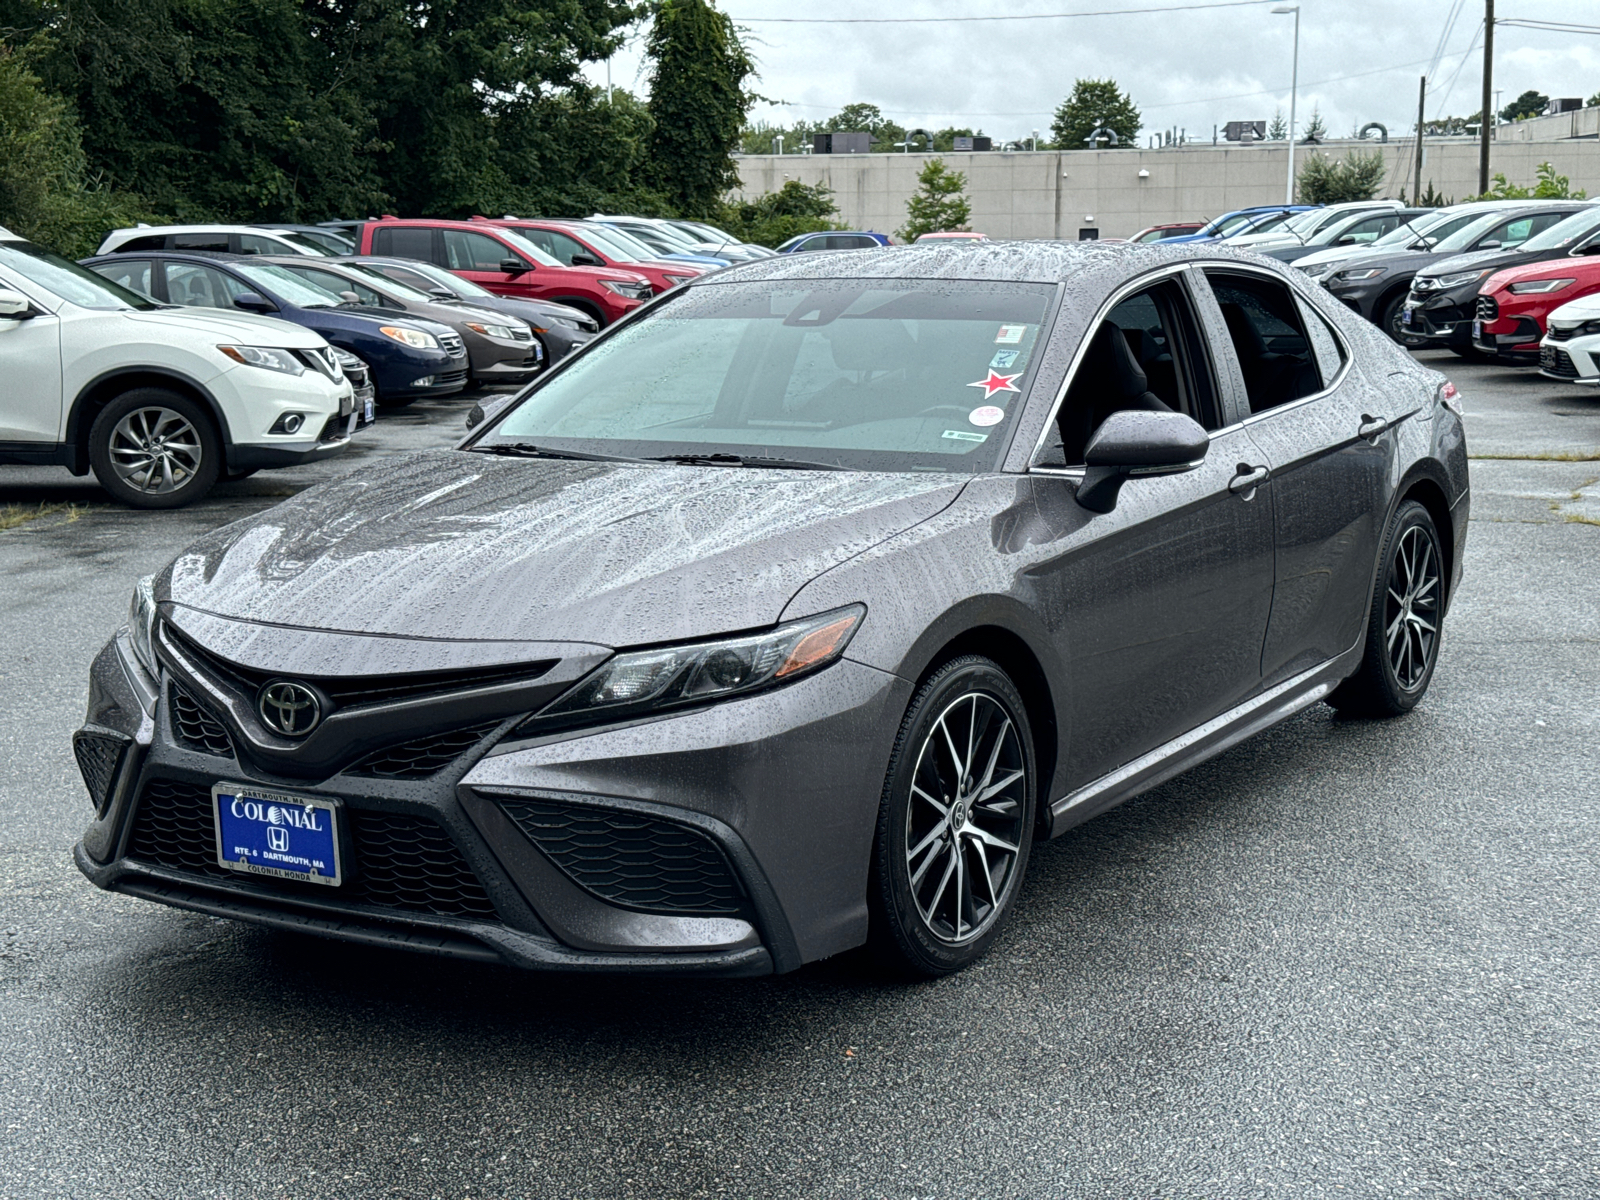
<point>194,726</point>
<point>631,859</point>
<point>422,757</point>
<point>397,860</point>
<point>1557,362</point>
<point>99,755</point>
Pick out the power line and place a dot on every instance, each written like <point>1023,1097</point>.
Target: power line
<point>1106,12</point>
<point>1552,26</point>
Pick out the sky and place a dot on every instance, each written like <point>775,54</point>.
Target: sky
<point>1359,61</point>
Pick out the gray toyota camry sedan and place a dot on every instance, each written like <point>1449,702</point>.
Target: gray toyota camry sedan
<point>788,614</point>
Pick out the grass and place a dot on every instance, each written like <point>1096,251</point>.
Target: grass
<point>1580,519</point>
<point>14,516</point>
<point>1542,456</point>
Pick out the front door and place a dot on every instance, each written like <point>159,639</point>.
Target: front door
<point>1158,606</point>
<point>480,258</point>
<point>1328,438</point>
<point>30,363</point>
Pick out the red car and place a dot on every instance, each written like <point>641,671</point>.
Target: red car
<point>1160,233</point>
<point>1513,304</point>
<point>506,264</point>
<point>577,244</point>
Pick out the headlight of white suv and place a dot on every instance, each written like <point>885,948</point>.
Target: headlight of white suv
<point>268,357</point>
<point>415,338</point>
<point>142,623</point>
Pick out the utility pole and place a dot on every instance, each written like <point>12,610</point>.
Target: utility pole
<point>1486,117</point>
<point>1422,99</point>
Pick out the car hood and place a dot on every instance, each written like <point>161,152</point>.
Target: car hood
<point>460,545</point>
<point>1584,271</point>
<point>233,326</point>
<point>1389,260</point>
<point>1585,308</point>
<point>1477,259</point>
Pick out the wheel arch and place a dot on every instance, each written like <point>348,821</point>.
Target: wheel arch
<point>106,387</point>
<point>1429,492</point>
<point>584,305</point>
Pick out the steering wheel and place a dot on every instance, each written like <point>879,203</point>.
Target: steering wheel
<point>944,408</point>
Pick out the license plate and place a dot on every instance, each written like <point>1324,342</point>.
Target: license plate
<point>1547,357</point>
<point>366,397</point>
<point>276,833</point>
<point>1406,316</point>
<point>1477,330</point>
<point>347,405</point>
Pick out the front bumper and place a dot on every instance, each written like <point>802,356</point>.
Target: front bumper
<point>1360,297</point>
<point>1571,360</point>
<point>730,840</point>
<point>1440,318</point>
<point>333,439</point>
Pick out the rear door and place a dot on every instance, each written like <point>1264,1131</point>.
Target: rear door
<point>406,241</point>
<point>1328,436</point>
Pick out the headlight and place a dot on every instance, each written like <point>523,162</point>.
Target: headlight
<point>1316,270</point>
<point>647,681</point>
<point>415,338</point>
<point>1537,287</point>
<point>1459,278</point>
<point>1587,329</point>
<point>142,623</point>
<point>265,356</point>
<point>1355,274</point>
<point>633,291</point>
<point>503,332</point>
<point>675,280</point>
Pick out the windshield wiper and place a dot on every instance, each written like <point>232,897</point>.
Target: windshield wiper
<point>529,450</point>
<point>747,460</point>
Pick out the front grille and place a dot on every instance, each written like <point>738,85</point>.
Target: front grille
<point>357,689</point>
<point>1558,334</point>
<point>1488,309</point>
<point>194,727</point>
<point>396,860</point>
<point>452,344</point>
<point>448,378</point>
<point>421,757</point>
<point>99,754</point>
<point>631,859</point>
<point>1555,361</point>
<point>521,335</point>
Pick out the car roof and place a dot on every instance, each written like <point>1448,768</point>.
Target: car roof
<point>147,230</point>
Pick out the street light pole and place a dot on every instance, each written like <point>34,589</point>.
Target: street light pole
<point>1294,88</point>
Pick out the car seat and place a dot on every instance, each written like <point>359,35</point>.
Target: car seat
<point>1270,379</point>
<point>1109,380</point>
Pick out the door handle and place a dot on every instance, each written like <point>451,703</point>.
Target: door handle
<point>1371,427</point>
<point>1248,479</point>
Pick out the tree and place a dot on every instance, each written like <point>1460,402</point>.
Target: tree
<point>1316,128</point>
<point>698,102</point>
<point>1433,199</point>
<point>1332,181</point>
<point>1279,129</point>
<point>1550,186</point>
<point>774,218</point>
<point>1529,104</point>
<point>939,204</point>
<point>46,194</point>
<point>1095,104</point>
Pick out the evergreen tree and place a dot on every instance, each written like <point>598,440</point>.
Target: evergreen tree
<point>1279,129</point>
<point>1529,104</point>
<point>1324,180</point>
<point>1316,128</point>
<point>698,103</point>
<point>1095,104</point>
<point>939,204</point>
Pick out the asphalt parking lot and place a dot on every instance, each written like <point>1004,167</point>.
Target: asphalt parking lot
<point>1345,959</point>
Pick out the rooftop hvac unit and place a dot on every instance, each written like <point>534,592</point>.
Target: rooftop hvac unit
<point>841,143</point>
<point>974,143</point>
<point>1245,131</point>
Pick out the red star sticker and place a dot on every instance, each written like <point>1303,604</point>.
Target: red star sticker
<point>997,383</point>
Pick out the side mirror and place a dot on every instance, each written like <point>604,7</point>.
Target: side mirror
<point>1348,239</point>
<point>513,266</point>
<point>442,293</point>
<point>487,407</point>
<point>254,302</point>
<point>14,306</point>
<point>1487,246</point>
<point>1132,443</point>
<point>586,260</point>
<point>349,297</point>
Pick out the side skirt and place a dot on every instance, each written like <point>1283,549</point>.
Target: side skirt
<point>1205,741</point>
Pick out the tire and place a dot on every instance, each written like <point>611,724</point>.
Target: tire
<point>1408,598</point>
<point>1389,317</point>
<point>927,915</point>
<point>154,448</point>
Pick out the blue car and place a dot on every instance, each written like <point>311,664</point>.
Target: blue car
<point>854,239</point>
<point>409,357</point>
<point>1242,220</point>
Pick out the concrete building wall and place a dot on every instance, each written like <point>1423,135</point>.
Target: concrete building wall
<point>1054,194</point>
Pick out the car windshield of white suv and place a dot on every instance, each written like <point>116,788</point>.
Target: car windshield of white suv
<point>1568,234</point>
<point>1432,224</point>
<point>307,243</point>
<point>884,375</point>
<point>286,285</point>
<point>66,279</point>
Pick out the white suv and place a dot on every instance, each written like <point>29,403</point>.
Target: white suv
<point>158,401</point>
<point>227,239</point>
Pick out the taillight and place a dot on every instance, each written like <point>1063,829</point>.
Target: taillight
<point>1450,398</point>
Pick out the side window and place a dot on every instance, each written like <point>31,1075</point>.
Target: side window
<point>1147,354</point>
<point>201,241</point>
<point>1268,338</point>
<point>1327,349</point>
<point>134,274</point>
<point>1542,222</point>
<point>464,251</point>
<point>1507,233</point>
<point>404,243</point>
<point>158,242</point>
<point>564,248</point>
<point>338,284</point>
<point>810,244</point>
<point>1371,229</point>
<point>253,243</point>
<point>201,287</point>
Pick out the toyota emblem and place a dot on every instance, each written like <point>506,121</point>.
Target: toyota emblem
<point>291,709</point>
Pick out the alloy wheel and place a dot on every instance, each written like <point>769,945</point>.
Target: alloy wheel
<point>964,825</point>
<point>1411,607</point>
<point>155,450</point>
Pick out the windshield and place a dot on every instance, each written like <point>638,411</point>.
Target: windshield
<point>1434,224</point>
<point>305,243</point>
<point>617,244</point>
<point>882,375</point>
<point>1303,224</point>
<point>288,286</point>
<point>1223,226</point>
<point>394,287</point>
<point>662,239</point>
<point>66,279</point>
<point>445,279</point>
<point>1566,234</point>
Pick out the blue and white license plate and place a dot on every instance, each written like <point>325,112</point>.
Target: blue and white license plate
<point>1407,315</point>
<point>274,833</point>
<point>1477,330</point>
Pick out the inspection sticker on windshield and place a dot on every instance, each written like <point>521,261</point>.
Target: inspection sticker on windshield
<point>961,435</point>
<point>1010,335</point>
<point>987,414</point>
<point>1003,358</point>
